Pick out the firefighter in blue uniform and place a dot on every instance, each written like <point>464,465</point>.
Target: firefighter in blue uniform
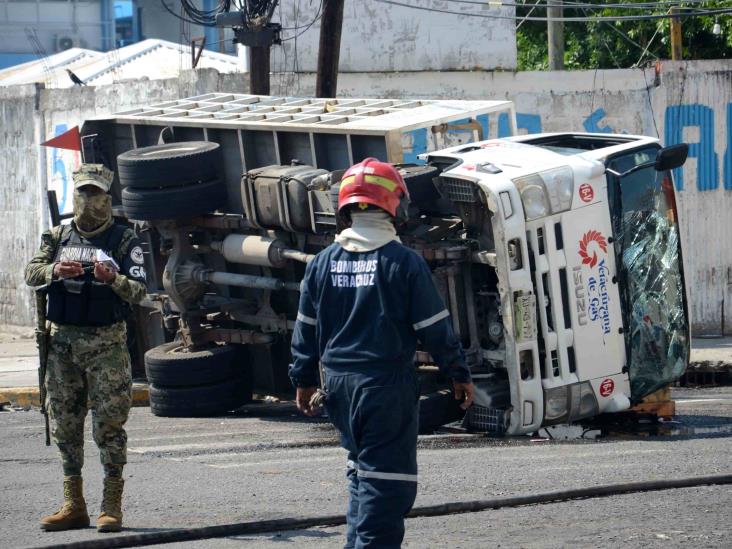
<point>365,301</point>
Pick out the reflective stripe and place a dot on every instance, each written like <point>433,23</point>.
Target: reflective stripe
<point>383,476</point>
<point>387,476</point>
<point>431,320</point>
<point>306,319</point>
<point>384,182</point>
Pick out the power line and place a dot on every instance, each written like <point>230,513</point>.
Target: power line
<point>253,12</point>
<point>637,63</point>
<point>574,4</point>
<point>523,20</point>
<point>649,17</point>
<point>298,27</point>
<point>305,28</point>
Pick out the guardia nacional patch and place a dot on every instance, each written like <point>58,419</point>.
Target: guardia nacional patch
<point>136,255</point>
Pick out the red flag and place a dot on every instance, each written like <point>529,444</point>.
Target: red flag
<point>68,140</point>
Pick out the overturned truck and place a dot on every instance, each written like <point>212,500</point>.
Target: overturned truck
<point>557,255</point>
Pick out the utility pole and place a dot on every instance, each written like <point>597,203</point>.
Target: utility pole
<point>676,46</point>
<point>555,34</point>
<point>258,34</point>
<point>331,24</point>
<point>259,70</point>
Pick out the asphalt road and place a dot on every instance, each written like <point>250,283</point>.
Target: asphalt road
<point>267,463</point>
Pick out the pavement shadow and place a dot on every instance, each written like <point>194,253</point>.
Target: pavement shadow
<point>683,427</point>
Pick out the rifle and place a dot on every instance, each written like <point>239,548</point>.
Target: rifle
<point>42,342</point>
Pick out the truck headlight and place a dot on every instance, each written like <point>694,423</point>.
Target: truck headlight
<point>556,403</point>
<point>546,192</point>
<point>535,203</point>
<point>559,184</point>
<point>583,401</point>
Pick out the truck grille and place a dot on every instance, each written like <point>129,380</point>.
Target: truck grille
<point>551,286</point>
<point>489,420</point>
<point>459,190</point>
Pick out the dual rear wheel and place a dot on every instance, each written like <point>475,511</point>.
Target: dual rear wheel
<point>198,383</point>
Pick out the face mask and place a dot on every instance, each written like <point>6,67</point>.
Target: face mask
<point>92,211</point>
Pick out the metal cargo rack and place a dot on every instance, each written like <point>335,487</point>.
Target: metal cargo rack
<point>332,134</point>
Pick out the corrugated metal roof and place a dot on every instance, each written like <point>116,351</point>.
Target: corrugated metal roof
<point>153,59</point>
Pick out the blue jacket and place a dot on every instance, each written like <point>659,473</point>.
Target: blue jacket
<point>363,312</point>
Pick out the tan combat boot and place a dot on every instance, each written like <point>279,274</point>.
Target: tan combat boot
<point>73,512</point>
<point>110,520</point>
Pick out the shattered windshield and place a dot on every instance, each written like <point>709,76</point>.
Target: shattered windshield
<point>650,270</point>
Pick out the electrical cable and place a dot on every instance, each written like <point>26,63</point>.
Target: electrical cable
<point>523,20</point>
<point>650,103</point>
<point>317,17</point>
<point>572,4</point>
<point>251,11</point>
<point>648,17</point>
<point>452,508</point>
<point>658,28</point>
<point>171,12</point>
<point>298,27</point>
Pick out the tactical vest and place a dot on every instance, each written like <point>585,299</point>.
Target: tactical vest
<point>84,301</point>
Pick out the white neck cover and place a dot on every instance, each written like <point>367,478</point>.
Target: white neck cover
<point>368,231</point>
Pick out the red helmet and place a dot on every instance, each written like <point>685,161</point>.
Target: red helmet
<point>377,183</point>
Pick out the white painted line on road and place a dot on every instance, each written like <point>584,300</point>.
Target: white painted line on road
<point>318,459</point>
<point>547,451</point>
<point>182,425</point>
<point>219,434</point>
<point>321,450</point>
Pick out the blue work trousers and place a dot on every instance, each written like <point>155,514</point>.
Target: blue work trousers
<point>377,415</point>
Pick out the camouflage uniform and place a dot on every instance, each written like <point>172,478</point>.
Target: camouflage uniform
<point>88,364</point>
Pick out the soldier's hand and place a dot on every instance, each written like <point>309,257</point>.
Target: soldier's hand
<point>302,399</point>
<point>464,392</point>
<point>67,269</point>
<point>103,273</point>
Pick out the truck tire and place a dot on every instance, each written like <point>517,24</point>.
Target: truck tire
<point>170,365</point>
<point>201,401</point>
<point>169,165</point>
<point>438,409</point>
<point>173,202</point>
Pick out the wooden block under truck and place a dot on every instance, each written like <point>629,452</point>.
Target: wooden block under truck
<point>558,255</point>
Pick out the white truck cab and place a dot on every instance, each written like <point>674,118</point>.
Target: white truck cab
<point>585,246</point>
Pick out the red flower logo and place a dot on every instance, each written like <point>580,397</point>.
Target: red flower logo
<point>589,237</point>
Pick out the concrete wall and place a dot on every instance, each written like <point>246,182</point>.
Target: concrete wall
<point>21,207</point>
<point>384,37</point>
<point>684,101</point>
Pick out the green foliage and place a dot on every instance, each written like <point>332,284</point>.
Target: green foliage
<point>622,44</point>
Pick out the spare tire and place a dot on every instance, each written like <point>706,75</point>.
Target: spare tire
<point>201,401</point>
<point>172,365</point>
<point>169,165</point>
<point>173,202</point>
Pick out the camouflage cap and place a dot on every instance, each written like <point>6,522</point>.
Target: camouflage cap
<point>97,175</point>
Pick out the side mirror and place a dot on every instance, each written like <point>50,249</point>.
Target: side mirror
<point>671,157</point>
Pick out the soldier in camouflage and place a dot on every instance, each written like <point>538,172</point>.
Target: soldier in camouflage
<point>88,361</point>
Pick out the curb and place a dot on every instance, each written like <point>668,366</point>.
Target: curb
<point>30,396</point>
